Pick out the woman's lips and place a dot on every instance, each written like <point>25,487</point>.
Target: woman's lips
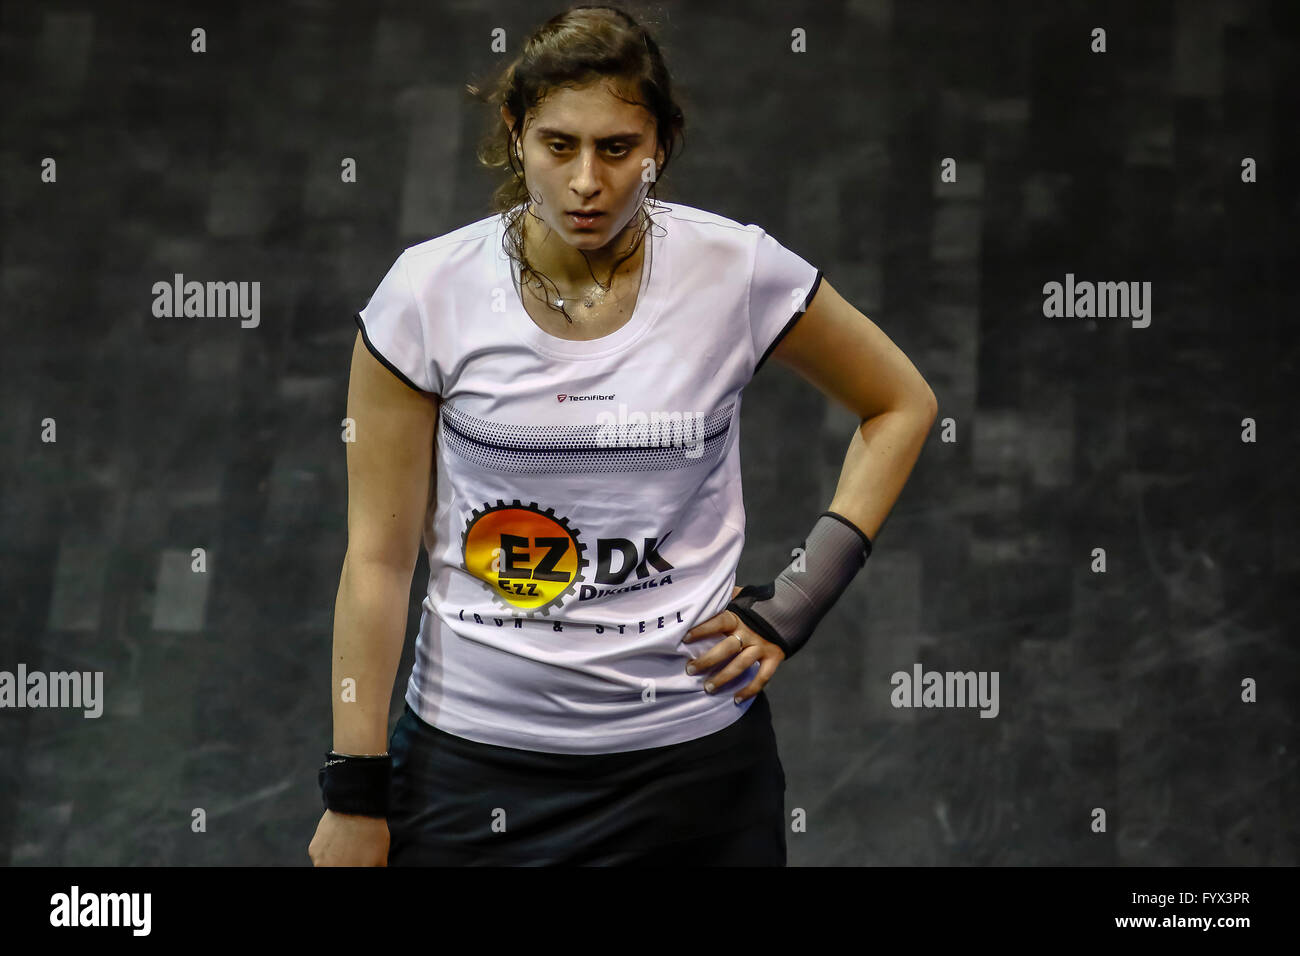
<point>584,222</point>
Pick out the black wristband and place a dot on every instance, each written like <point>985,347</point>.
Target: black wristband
<point>358,785</point>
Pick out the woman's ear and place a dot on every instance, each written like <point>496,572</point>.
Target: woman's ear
<point>508,118</point>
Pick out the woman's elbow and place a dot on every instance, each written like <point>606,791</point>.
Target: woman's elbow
<point>931,404</point>
<point>921,404</point>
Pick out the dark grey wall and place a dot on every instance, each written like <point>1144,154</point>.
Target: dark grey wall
<point>1120,691</point>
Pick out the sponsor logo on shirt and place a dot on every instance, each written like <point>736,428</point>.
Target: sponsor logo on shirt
<point>532,558</point>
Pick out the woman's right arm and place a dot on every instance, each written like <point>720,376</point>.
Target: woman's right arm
<point>389,469</point>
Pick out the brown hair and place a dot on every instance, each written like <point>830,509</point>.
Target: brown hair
<point>571,49</point>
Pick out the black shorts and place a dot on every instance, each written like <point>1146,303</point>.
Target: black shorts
<point>718,800</point>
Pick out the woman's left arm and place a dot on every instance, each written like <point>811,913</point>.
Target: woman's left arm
<point>848,358</point>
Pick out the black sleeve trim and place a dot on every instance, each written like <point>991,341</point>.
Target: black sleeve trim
<point>817,281</point>
<point>866,542</point>
<point>760,626</point>
<point>383,361</point>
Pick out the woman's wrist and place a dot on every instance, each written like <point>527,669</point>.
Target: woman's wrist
<point>787,610</point>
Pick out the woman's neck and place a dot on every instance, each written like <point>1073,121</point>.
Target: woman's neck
<point>568,267</point>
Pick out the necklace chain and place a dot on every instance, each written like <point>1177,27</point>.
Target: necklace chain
<point>587,299</point>
<point>593,296</point>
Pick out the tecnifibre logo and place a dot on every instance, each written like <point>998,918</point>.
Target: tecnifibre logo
<point>564,397</point>
<point>102,909</point>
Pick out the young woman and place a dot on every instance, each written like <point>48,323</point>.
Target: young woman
<point>588,682</point>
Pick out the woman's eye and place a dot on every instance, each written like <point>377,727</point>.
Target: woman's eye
<point>617,151</point>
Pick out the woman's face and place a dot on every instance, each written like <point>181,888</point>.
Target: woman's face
<point>586,149</point>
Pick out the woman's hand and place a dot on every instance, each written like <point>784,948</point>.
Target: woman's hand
<point>345,839</point>
<point>756,649</point>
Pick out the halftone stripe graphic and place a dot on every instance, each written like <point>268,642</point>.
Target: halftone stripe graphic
<point>559,449</point>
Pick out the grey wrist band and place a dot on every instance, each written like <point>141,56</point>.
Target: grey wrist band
<point>787,611</point>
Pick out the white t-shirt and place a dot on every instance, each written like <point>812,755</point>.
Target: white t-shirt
<point>589,507</point>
